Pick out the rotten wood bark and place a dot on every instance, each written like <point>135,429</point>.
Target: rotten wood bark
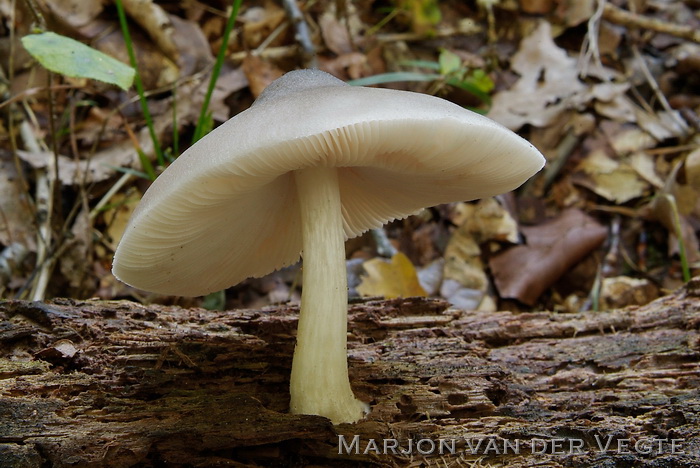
<point>119,384</point>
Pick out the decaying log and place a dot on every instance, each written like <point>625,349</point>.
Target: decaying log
<point>119,384</point>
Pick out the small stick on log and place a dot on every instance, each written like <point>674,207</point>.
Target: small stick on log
<point>625,18</point>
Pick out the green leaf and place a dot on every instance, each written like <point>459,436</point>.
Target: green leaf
<point>215,301</point>
<point>69,57</point>
<point>449,62</point>
<point>470,87</point>
<point>481,80</point>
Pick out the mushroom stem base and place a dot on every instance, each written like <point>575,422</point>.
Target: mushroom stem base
<point>319,382</point>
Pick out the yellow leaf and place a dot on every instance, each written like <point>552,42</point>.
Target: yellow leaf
<point>117,216</point>
<point>393,279</point>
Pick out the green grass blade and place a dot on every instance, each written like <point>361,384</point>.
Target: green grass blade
<point>204,117</point>
<point>128,170</point>
<point>394,77</point>
<point>677,227</point>
<point>421,63</point>
<point>470,87</point>
<point>139,83</point>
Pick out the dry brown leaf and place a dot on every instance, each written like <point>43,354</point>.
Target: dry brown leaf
<point>353,65</point>
<point>156,22</point>
<point>100,168</point>
<point>17,223</point>
<point>608,178</point>
<point>393,279</point>
<point>117,217</point>
<point>155,68</point>
<point>465,282</point>
<point>228,83</point>
<point>463,262</point>
<point>75,263</point>
<point>620,109</point>
<point>692,169</point>
<point>548,81</point>
<point>194,52</point>
<point>576,12</point>
<point>643,163</point>
<point>486,220</point>
<point>631,140</point>
<point>260,73</point>
<point>524,272</point>
<point>260,23</point>
<point>537,7</point>
<point>75,13</point>
<point>335,34</point>
<point>662,125</point>
<point>103,164</point>
<point>622,291</point>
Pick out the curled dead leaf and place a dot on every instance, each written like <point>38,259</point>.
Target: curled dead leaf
<point>524,272</point>
<point>612,180</point>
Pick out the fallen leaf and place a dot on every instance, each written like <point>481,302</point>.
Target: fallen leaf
<point>608,178</point>
<point>194,53</point>
<point>335,34</point>
<point>524,272</point>
<point>430,276</point>
<point>692,169</point>
<point>259,24</point>
<point>486,220</point>
<point>631,140</point>
<point>117,217</point>
<point>393,279</point>
<point>69,57</point>
<point>643,163</point>
<point>622,291</point>
<point>260,73</point>
<point>548,81</point>
<point>463,262</point>
<point>17,224</point>
<point>662,125</point>
<point>462,297</point>
<point>75,13</point>
<point>156,22</point>
<point>575,12</point>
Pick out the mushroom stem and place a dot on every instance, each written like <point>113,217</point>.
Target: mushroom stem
<point>319,382</point>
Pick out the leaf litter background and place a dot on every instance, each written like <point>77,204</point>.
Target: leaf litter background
<point>608,91</point>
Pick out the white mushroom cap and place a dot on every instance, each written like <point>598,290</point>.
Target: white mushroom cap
<point>227,208</point>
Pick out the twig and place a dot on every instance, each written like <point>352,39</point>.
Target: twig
<point>657,91</point>
<point>10,119</point>
<point>110,193</point>
<point>32,91</point>
<point>273,53</point>
<point>268,40</point>
<point>611,259</point>
<point>590,41</point>
<point>412,37</point>
<point>564,150</point>
<point>625,18</point>
<point>301,32</point>
<point>44,204</point>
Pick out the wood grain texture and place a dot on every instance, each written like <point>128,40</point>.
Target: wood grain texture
<point>119,384</point>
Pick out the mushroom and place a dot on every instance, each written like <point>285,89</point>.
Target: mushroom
<point>312,163</point>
